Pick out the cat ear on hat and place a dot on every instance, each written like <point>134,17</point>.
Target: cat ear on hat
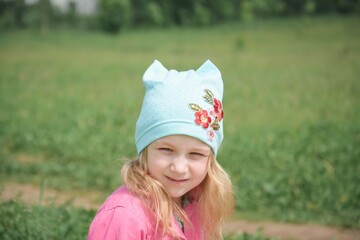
<point>208,69</point>
<point>156,72</point>
<point>211,76</point>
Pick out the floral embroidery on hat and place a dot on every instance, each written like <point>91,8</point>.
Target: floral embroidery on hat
<point>202,118</point>
<point>209,119</point>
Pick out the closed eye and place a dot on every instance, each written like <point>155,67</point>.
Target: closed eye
<point>198,154</point>
<point>165,149</point>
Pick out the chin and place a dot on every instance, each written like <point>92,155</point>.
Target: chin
<point>177,195</point>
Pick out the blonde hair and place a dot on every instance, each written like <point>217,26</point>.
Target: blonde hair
<point>214,196</point>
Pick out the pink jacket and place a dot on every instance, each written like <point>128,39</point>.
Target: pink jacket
<point>124,217</point>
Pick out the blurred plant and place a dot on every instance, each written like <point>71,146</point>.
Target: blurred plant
<point>155,14</point>
<point>114,15</point>
<point>37,222</point>
<point>259,235</point>
<point>12,14</point>
<point>71,15</point>
<point>46,12</point>
<point>202,15</point>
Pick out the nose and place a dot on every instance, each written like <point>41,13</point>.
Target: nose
<point>179,165</point>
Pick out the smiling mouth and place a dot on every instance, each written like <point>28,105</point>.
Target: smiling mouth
<point>176,180</point>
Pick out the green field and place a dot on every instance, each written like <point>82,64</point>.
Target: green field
<point>69,101</point>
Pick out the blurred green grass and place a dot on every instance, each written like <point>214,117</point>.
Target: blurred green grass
<point>19,221</point>
<point>69,101</point>
<point>38,222</point>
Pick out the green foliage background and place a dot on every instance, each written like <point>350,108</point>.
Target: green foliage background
<point>42,223</point>
<point>69,101</point>
<point>59,222</point>
<point>114,15</point>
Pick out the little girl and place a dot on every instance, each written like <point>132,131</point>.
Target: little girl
<point>174,188</point>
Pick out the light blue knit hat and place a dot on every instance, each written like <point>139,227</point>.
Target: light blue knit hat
<point>185,103</point>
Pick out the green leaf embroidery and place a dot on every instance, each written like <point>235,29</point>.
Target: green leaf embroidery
<point>195,107</point>
<point>209,97</point>
<point>215,126</point>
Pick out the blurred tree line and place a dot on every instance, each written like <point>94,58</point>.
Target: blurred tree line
<point>43,15</point>
<point>113,15</point>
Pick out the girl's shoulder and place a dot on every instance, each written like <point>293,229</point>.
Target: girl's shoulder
<point>120,212</point>
<point>122,198</point>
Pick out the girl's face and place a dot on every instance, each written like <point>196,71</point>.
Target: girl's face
<point>178,162</point>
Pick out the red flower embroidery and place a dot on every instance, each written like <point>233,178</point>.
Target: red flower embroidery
<point>202,118</point>
<point>211,134</point>
<point>218,109</point>
<point>209,119</point>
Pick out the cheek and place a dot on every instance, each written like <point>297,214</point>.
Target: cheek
<point>150,164</point>
<point>201,169</point>
<point>155,166</point>
<point>152,169</point>
<point>149,168</point>
<point>204,173</point>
